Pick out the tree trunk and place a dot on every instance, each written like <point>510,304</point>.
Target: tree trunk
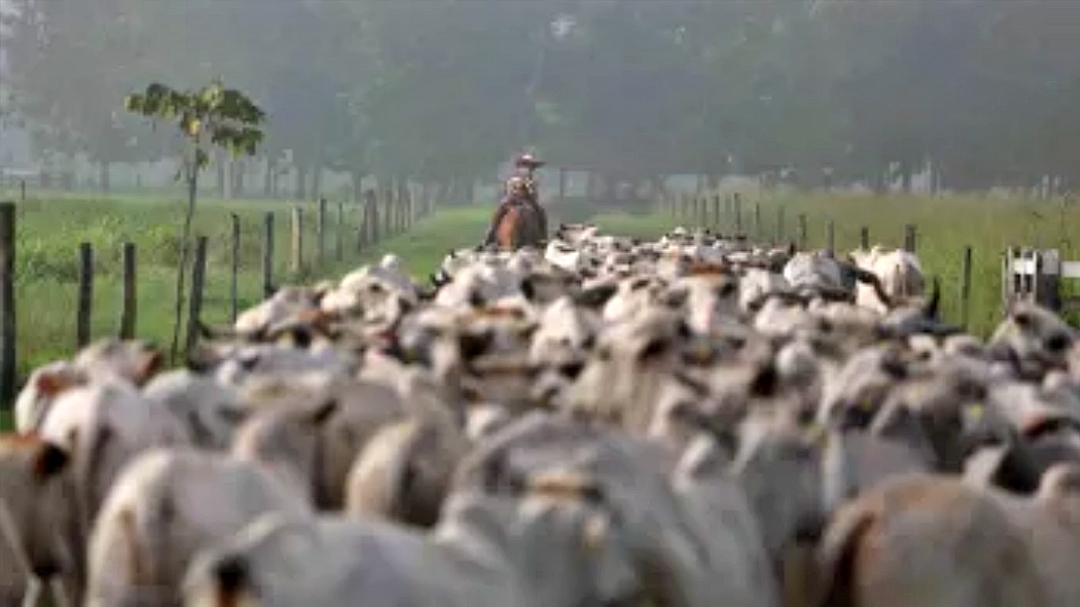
<point>185,248</point>
<point>880,181</point>
<point>301,183</point>
<point>906,169</point>
<point>103,176</point>
<point>609,187</point>
<point>357,183</point>
<point>470,191</point>
<point>239,167</point>
<point>222,189</point>
<point>316,181</point>
<point>425,197</point>
<point>268,179</point>
<point>450,191</point>
<point>442,191</point>
<point>228,169</point>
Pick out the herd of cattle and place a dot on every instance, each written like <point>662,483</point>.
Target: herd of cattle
<point>691,421</point>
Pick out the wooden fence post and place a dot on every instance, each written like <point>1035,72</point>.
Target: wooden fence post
<point>758,229</point>
<point>864,238</point>
<point>268,255</point>
<point>830,236</point>
<point>965,288</point>
<point>737,204</point>
<point>803,236</point>
<point>716,212</point>
<point>7,303</point>
<point>297,252</point>
<point>198,283</point>
<point>320,232</point>
<point>234,269</point>
<point>129,305</point>
<point>339,232</point>
<point>909,237</point>
<point>85,296</point>
<point>780,224</point>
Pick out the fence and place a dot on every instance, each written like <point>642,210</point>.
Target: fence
<point>1039,276</point>
<point>315,240</point>
<point>727,214</point>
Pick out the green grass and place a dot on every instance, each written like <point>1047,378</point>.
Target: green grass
<point>50,229</point>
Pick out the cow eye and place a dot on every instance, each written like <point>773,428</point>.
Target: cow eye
<point>1057,342</point>
<point>654,348</point>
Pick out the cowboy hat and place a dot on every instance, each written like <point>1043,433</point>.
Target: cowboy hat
<point>528,161</point>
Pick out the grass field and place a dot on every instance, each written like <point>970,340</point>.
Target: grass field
<point>49,230</point>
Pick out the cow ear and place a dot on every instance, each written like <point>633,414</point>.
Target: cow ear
<point>48,460</point>
<point>52,383</point>
<point>528,289</point>
<point>323,412</point>
<point>202,358</point>
<point>527,331</point>
<point>473,345</point>
<point>676,299</point>
<point>765,381</point>
<point>149,363</point>
<point>893,364</point>
<point>595,297</point>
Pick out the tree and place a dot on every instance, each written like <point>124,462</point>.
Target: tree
<point>207,118</point>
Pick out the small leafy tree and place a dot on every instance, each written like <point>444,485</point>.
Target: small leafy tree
<point>207,117</point>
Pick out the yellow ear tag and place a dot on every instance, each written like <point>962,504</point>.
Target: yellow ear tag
<point>976,411</point>
<point>866,404</point>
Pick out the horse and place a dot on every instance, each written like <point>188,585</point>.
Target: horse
<point>520,226</point>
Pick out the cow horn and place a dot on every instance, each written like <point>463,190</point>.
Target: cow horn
<point>205,331</point>
<point>930,309</point>
<point>867,277</point>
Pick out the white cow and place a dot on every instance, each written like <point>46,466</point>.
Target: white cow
<point>165,506</point>
<point>103,427</point>
<point>899,271</point>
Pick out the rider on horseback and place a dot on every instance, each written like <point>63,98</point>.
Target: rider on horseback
<point>520,189</point>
